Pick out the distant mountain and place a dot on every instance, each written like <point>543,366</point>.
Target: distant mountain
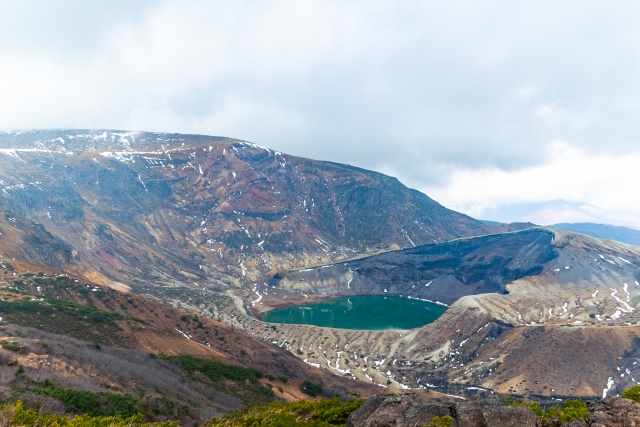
<point>560,211</point>
<point>153,208</point>
<point>604,231</point>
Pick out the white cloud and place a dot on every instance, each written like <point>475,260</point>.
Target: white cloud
<point>442,94</point>
<point>608,181</point>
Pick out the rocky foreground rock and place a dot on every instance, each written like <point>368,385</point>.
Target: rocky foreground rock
<point>413,411</point>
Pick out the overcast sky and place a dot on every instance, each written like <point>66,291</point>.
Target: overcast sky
<point>478,104</point>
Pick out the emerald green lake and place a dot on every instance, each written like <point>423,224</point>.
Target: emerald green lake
<point>360,312</point>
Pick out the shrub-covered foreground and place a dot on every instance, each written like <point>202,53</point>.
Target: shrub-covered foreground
<point>323,413</point>
<point>18,415</point>
<point>87,402</point>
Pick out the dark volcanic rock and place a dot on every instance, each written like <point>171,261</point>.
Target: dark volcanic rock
<point>471,413</point>
<point>411,411</point>
<point>439,272</point>
<point>398,411</point>
<point>509,416</point>
<point>614,412</point>
<point>576,423</point>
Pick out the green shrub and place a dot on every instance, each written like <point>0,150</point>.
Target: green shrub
<point>29,418</point>
<point>632,393</point>
<point>570,411</point>
<point>87,402</point>
<point>324,413</point>
<point>12,346</point>
<point>216,370</point>
<point>574,409</point>
<point>310,388</point>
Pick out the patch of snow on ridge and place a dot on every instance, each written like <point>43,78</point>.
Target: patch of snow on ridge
<point>427,300</point>
<point>13,152</point>
<point>613,294</point>
<point>607,389</point>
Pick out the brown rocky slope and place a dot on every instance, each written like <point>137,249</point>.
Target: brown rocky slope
<point>173,209</point>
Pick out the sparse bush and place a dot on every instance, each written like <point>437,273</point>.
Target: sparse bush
<point>632,393</point>
<point>216,370</point>
<point>266,391</point>
<point>13,346</point>
<point>87,402</point>
<point>570,411</point>
<point>324,413</point>
<point>29,418</point>
<point>310,388</point>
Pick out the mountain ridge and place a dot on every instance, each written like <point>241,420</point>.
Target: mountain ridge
<point>198,208</point>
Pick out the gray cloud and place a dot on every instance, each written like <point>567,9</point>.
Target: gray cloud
<point>415,89</point>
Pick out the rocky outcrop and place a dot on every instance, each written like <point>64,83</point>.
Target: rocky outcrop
<point>614,412</point>
<point>397,411</point>
<point>413,410</point>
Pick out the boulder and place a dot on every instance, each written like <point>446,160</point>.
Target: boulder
<point>412,411</point>
<point>510,416</point>
<point>397,411</point>
<point>469,413</point>
<point>614,412</point>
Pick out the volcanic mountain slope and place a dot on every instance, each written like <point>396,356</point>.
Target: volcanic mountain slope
<point>84,337</point>
<point>176,209</point>
<point>537,312</point>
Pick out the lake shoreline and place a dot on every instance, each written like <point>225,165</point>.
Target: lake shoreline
<point>275,304</point>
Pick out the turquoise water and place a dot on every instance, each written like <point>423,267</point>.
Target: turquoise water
<point>360,312</point>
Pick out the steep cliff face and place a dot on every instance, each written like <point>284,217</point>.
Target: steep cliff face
<point>187,208</point>
<point>441,272</point>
